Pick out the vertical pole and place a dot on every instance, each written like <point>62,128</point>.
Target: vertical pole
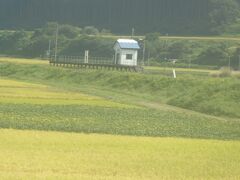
<point>229,62</point>
<point>144,50</point>
<point>86,57</point>
<point>190,62</point>
<point>174,74</point>
<point>148,57</point>
<point>49,49</point>
<point>109,14</point>
<point>56,44</point>
<point>133,32</point>
<point>239,63</point>
<point>166,46</point>
<point>174,71</point>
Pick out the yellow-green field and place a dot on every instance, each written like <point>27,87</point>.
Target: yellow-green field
<point>51,155</point>
<point>17,92</point>
<point>23,61</point>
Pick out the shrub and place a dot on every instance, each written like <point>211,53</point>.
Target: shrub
<point>213,55</point>
<point>69,31</point>
<point>214,74</point>
<point>225,72</point>
<point>106,32</point>
<point>237,75</point>
<point>90,30</point>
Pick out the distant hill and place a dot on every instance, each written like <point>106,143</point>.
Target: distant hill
<point>120,16</point>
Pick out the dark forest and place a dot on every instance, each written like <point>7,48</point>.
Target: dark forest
<point>120,16</point>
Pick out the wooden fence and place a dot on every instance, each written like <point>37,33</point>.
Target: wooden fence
<point>92,62</point>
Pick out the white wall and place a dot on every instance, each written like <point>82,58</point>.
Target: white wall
<point>123,56</point>
<point>125,61</point>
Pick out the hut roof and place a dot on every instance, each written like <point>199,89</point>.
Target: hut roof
<point>128,44</point>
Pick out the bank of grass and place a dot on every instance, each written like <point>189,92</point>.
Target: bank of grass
<point>162,68</point>
<point>54,155</point>
<point>202,93</point>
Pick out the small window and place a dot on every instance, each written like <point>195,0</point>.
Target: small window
<point>129,56</point>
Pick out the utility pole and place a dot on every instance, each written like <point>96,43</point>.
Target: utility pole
<point>133,32</point>
<point>56,45</point>
<point>109,14</point>
<point>144,50</point>
<point>148,58</point>
<point>49,49</point>
<point>239,63</point>
<point>190,62</point>
<point>229,61</point>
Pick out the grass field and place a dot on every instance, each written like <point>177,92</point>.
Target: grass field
<point>130,131</point>
<point>32,106</point>
<point>50,155</point>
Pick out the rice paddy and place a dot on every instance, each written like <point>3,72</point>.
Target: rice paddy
<point>22,61</point>
<point>52,155</point>
<point>16,92</point>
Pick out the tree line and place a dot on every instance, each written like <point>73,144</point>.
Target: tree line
<point>173,17</point>
<point>73,41</point>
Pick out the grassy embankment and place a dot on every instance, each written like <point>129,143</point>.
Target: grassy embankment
<point>192,90</point>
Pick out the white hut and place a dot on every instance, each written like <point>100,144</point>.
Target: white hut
<point>126,52</point>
